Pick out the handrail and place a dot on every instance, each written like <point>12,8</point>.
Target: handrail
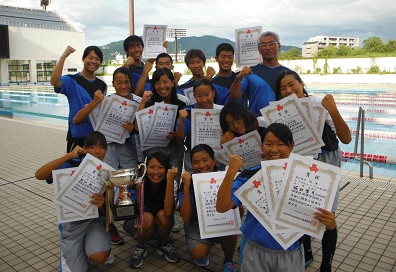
<point>360,120</point>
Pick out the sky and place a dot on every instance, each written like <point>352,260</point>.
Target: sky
<point>294,20</point>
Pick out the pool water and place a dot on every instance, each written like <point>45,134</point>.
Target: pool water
<point>41,103</point>
<point>380,124</point>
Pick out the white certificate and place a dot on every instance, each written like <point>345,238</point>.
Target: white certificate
<point>246,47</point>
<point>118,110</point>
<point>248,146</point>
<point>62,177</point>
<point>211,222</point>
<point>222,157</point>
<point>143,119</point>
<point>162,122</point>
<point>189,93</point>
<point>154,37</point>
<point>75,196</point>
<point>253,196</point>
<point>308,184</point>
<point>94,115</point>
<point>205,128</point>
<point>291,113</point>
<point>273,173</point>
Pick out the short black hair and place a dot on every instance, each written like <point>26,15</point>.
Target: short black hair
<point>203,81</point>
<point>94,48</point>
<point>281,131</point>
<point>94,138</point>
<point>125,71</point>
<point>281,75</point>
<point>163,55</point>
<point>206,148</point>
<point>132,39</point>
<point>224,47</point>
<point>238,111</point>
<point>195,53</point>
<point>156,77</point>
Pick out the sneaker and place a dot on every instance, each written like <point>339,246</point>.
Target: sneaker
<point>136,259</point>
<point>176,226</point>
<point>109,259</point>
<point>308,257</point>
<point>229,267</point>
<point>202,262</point>
<point>116,238</point>
<point>169,252</point>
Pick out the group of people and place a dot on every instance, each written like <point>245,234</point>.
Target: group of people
<point>240,96</point>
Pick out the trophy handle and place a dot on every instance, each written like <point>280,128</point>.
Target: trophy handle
<point>101,176</point>
<point>144,171</point>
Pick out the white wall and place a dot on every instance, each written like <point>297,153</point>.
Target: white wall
<point>34,44</point>
<point>387,64</point>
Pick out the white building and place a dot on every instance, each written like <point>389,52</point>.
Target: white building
<point>37,38</point>
<point>315,44</point>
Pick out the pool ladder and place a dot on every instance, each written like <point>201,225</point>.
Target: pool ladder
<point>360,120</point>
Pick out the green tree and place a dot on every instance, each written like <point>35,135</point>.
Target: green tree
<point>344,50</point>
<point>391,46</point>
<point>292,53</point>
<point>328,52</point>
<point>374,45</point>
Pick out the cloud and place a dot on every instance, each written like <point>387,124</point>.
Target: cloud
<point>294,20</point>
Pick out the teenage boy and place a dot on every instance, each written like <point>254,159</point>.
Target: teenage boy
<point>133,47</point>
<point>195,61</point>
<point>162,60</point>
<point>225,77</point>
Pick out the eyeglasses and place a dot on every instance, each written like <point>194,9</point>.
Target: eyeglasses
<point>135,45</point>
<point>270,44</point>
<point>237,122</point>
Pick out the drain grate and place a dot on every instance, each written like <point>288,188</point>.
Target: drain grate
<point>387,185</point>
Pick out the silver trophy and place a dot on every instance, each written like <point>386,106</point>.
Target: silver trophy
<point>126,208</point>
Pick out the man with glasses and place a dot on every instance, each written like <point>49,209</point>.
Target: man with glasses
<point>256,84</point>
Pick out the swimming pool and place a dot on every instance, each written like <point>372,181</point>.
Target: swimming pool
<point>40,103</point>
<point>380,123</point>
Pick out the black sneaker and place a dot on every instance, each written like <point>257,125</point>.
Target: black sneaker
<point>136,259</point>
<point>169,252</point>
<point>308,257</point>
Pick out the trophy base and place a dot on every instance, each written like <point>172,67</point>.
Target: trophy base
<point>124,212</point>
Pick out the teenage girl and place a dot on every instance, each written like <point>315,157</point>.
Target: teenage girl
<point>287,83</point>
<point>203,161</point>
<point>259,250</point>
<point>84,240</point>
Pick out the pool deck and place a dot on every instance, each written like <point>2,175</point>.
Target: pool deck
<point>366,214</point>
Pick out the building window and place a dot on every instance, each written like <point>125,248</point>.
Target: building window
<point>18,71</point>
<point>44,70</point>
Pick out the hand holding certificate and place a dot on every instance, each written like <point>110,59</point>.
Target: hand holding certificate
<point>307,185</point>
<point>205,128</point>
<point>246,46</point>
<point>75,196</point>
<point>154,37</point>
<point>211,222</point>
<point>114,112</point>
<point>61,178</point>
<point>285,194</point>
<point>248,146</point>
<point>289,111</point>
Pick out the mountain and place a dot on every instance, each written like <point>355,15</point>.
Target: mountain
<point>206,43</point>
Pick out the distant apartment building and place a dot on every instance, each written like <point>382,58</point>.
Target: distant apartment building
<point>315,44</point>
<point>31,42</point>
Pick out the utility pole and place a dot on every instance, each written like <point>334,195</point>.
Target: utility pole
<point>131,17</point>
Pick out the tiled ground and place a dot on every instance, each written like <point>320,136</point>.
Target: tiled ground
<point>30,239</point>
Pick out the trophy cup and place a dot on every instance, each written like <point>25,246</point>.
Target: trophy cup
<point>126,208</point>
